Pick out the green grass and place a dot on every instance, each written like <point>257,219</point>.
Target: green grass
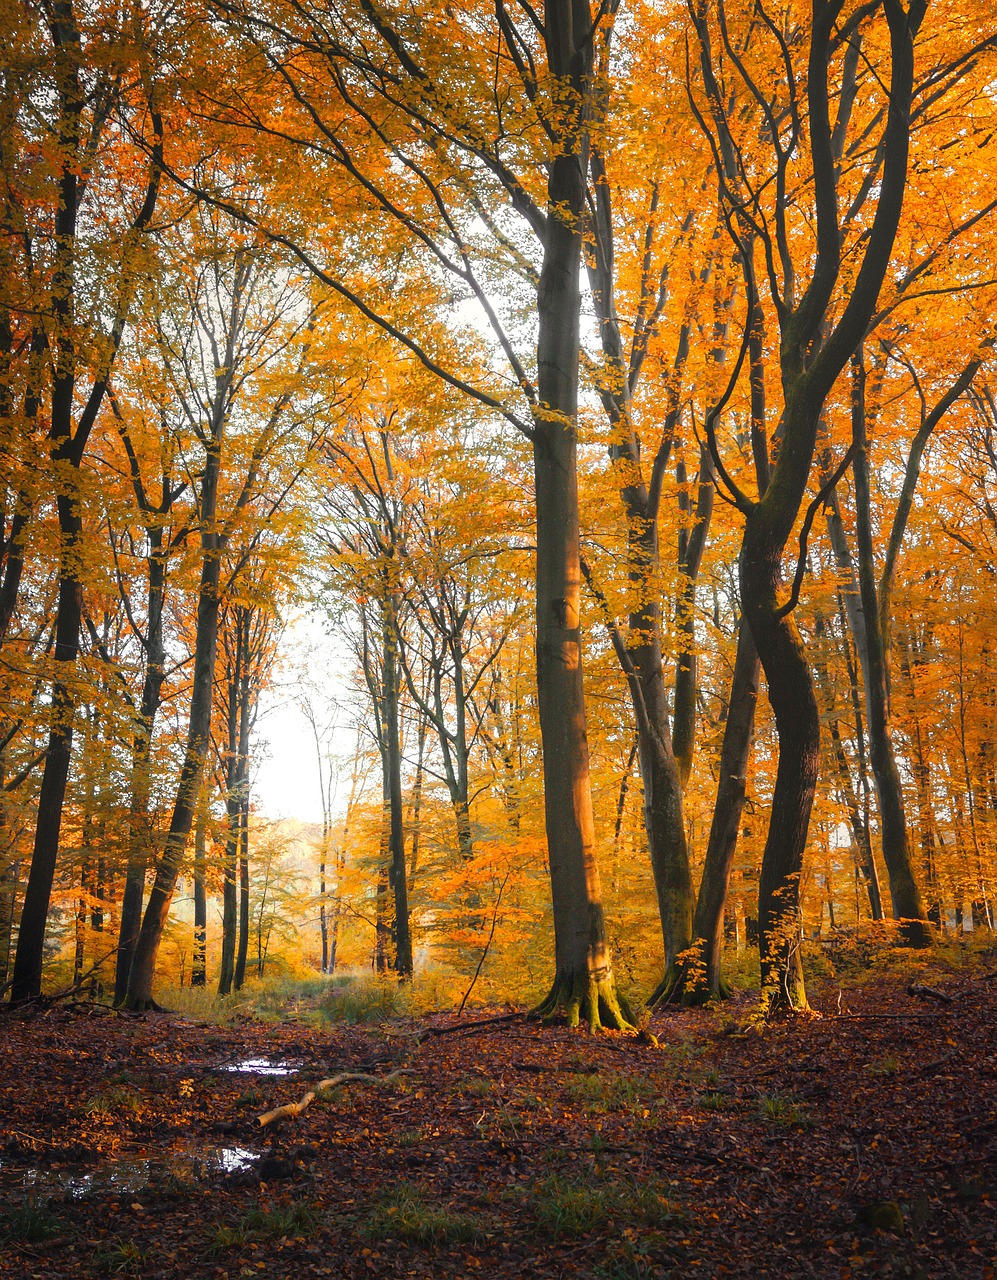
<point>404,1214</point>
<point>120,1257</point>
<point>363,1000</point>
<point>713,1102</point>
<point>783,1111</point>
<point>31,1223</point>
<point>295,1221</point>
<point>113,1100</point>
<point>888,1066</point>
<point>475,1087</point>
<point>599,1094</point>
<point>576,1206</point>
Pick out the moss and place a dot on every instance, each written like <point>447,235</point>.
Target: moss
<point>883,1215</point>
<point>579,997</point>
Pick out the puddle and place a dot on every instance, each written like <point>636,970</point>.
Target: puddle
<point>261,1067</point>
<point>127,1174</point>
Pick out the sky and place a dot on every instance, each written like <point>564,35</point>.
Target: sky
<point>314,667</point>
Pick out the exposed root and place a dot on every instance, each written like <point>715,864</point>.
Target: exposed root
<point>589,997</point>
<point>688,981</point>
<point>142,1005</point>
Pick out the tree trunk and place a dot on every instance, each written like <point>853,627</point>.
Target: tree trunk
<point>583,984</point>
<point>142,973</point>
<point>243,949</point>
<point>908,906</point>
<point>27,978</point>
<point>397,878</point>
<point>140,835</point>
<point>735,752</point>
<point>791,693</point>
<point>199,959</point>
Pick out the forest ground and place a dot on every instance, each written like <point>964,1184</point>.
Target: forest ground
<point>858,1143</point>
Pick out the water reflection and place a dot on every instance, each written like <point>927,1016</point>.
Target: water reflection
<point>261,1067</point>
<point>127,1174</point>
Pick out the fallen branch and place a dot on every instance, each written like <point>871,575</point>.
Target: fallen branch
<point>462,1028</point>
<point>296,1108</point>
<point>928,993</point>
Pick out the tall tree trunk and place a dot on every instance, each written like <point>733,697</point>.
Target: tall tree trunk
<point>584,985</point>
<point>67,450</point>
<point>141,977</point>
<point>140,835</point>
<point>244,689</point>
<point>243,949</point>
<point>27,977</point>
<point>199,959</point>
<point>735,752</point>
<point>703,977</point>
<point>908,906</point>
<point>397,878</point>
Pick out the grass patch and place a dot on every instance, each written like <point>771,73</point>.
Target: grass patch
<point>713,1102</point>
<point>567,1206</point>
<point>362,1000</point>
<point>475,1087</point>
<point>786,1112</point>
<point>296,1221</point>
<point>888,1066</point>
<point>113,1100</point>
<point>30,1223</point>
<point>120,1257</point>
<point>598,1094</point>
<point>404,1214</point>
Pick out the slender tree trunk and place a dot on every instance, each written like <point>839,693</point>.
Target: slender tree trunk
<point>908,906</point>
<point>199,959</point>
<point>27,977</point>
<point>692,544</point>
<point>397,878</point>
<point>420,768</point>
<point>704,979</point>
<point>243,949</point>
<point>244,690</point>
<point>583,985</point>
<point>323,918</point>
<point>141,977</point>
<point>140,835</point>
<point>735,752</point>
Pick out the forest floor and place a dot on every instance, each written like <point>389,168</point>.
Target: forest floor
<point>858,1143</point>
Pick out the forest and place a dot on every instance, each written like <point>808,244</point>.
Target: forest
<point>583,417</point>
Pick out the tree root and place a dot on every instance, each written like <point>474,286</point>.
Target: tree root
<point>296,1108</point>
<point>587,996</point>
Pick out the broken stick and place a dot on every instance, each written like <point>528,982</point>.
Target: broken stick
<point>296,1108</point>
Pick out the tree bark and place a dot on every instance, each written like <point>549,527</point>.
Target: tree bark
<point>583,985</point>
<point>142,974</point>
<point>199,959</point>
<point>908,906</point>
<point>735,752</point>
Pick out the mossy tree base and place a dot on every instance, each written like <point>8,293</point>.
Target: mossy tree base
<point>589,997</point>
<point>141,1004</point>
<point>692,979</point>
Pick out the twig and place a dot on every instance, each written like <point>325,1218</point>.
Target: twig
<point>491,934</point>
<point>296,1108</point>
<point>877,1017</point>
<point>464,1028</point>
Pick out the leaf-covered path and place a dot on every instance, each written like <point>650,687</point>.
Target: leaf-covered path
<point>860,1143</point>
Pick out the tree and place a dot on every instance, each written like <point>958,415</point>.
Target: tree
<point>821,324</point>
<point>92,176</point>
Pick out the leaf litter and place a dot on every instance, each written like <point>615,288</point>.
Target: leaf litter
<point>860,1143</point>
